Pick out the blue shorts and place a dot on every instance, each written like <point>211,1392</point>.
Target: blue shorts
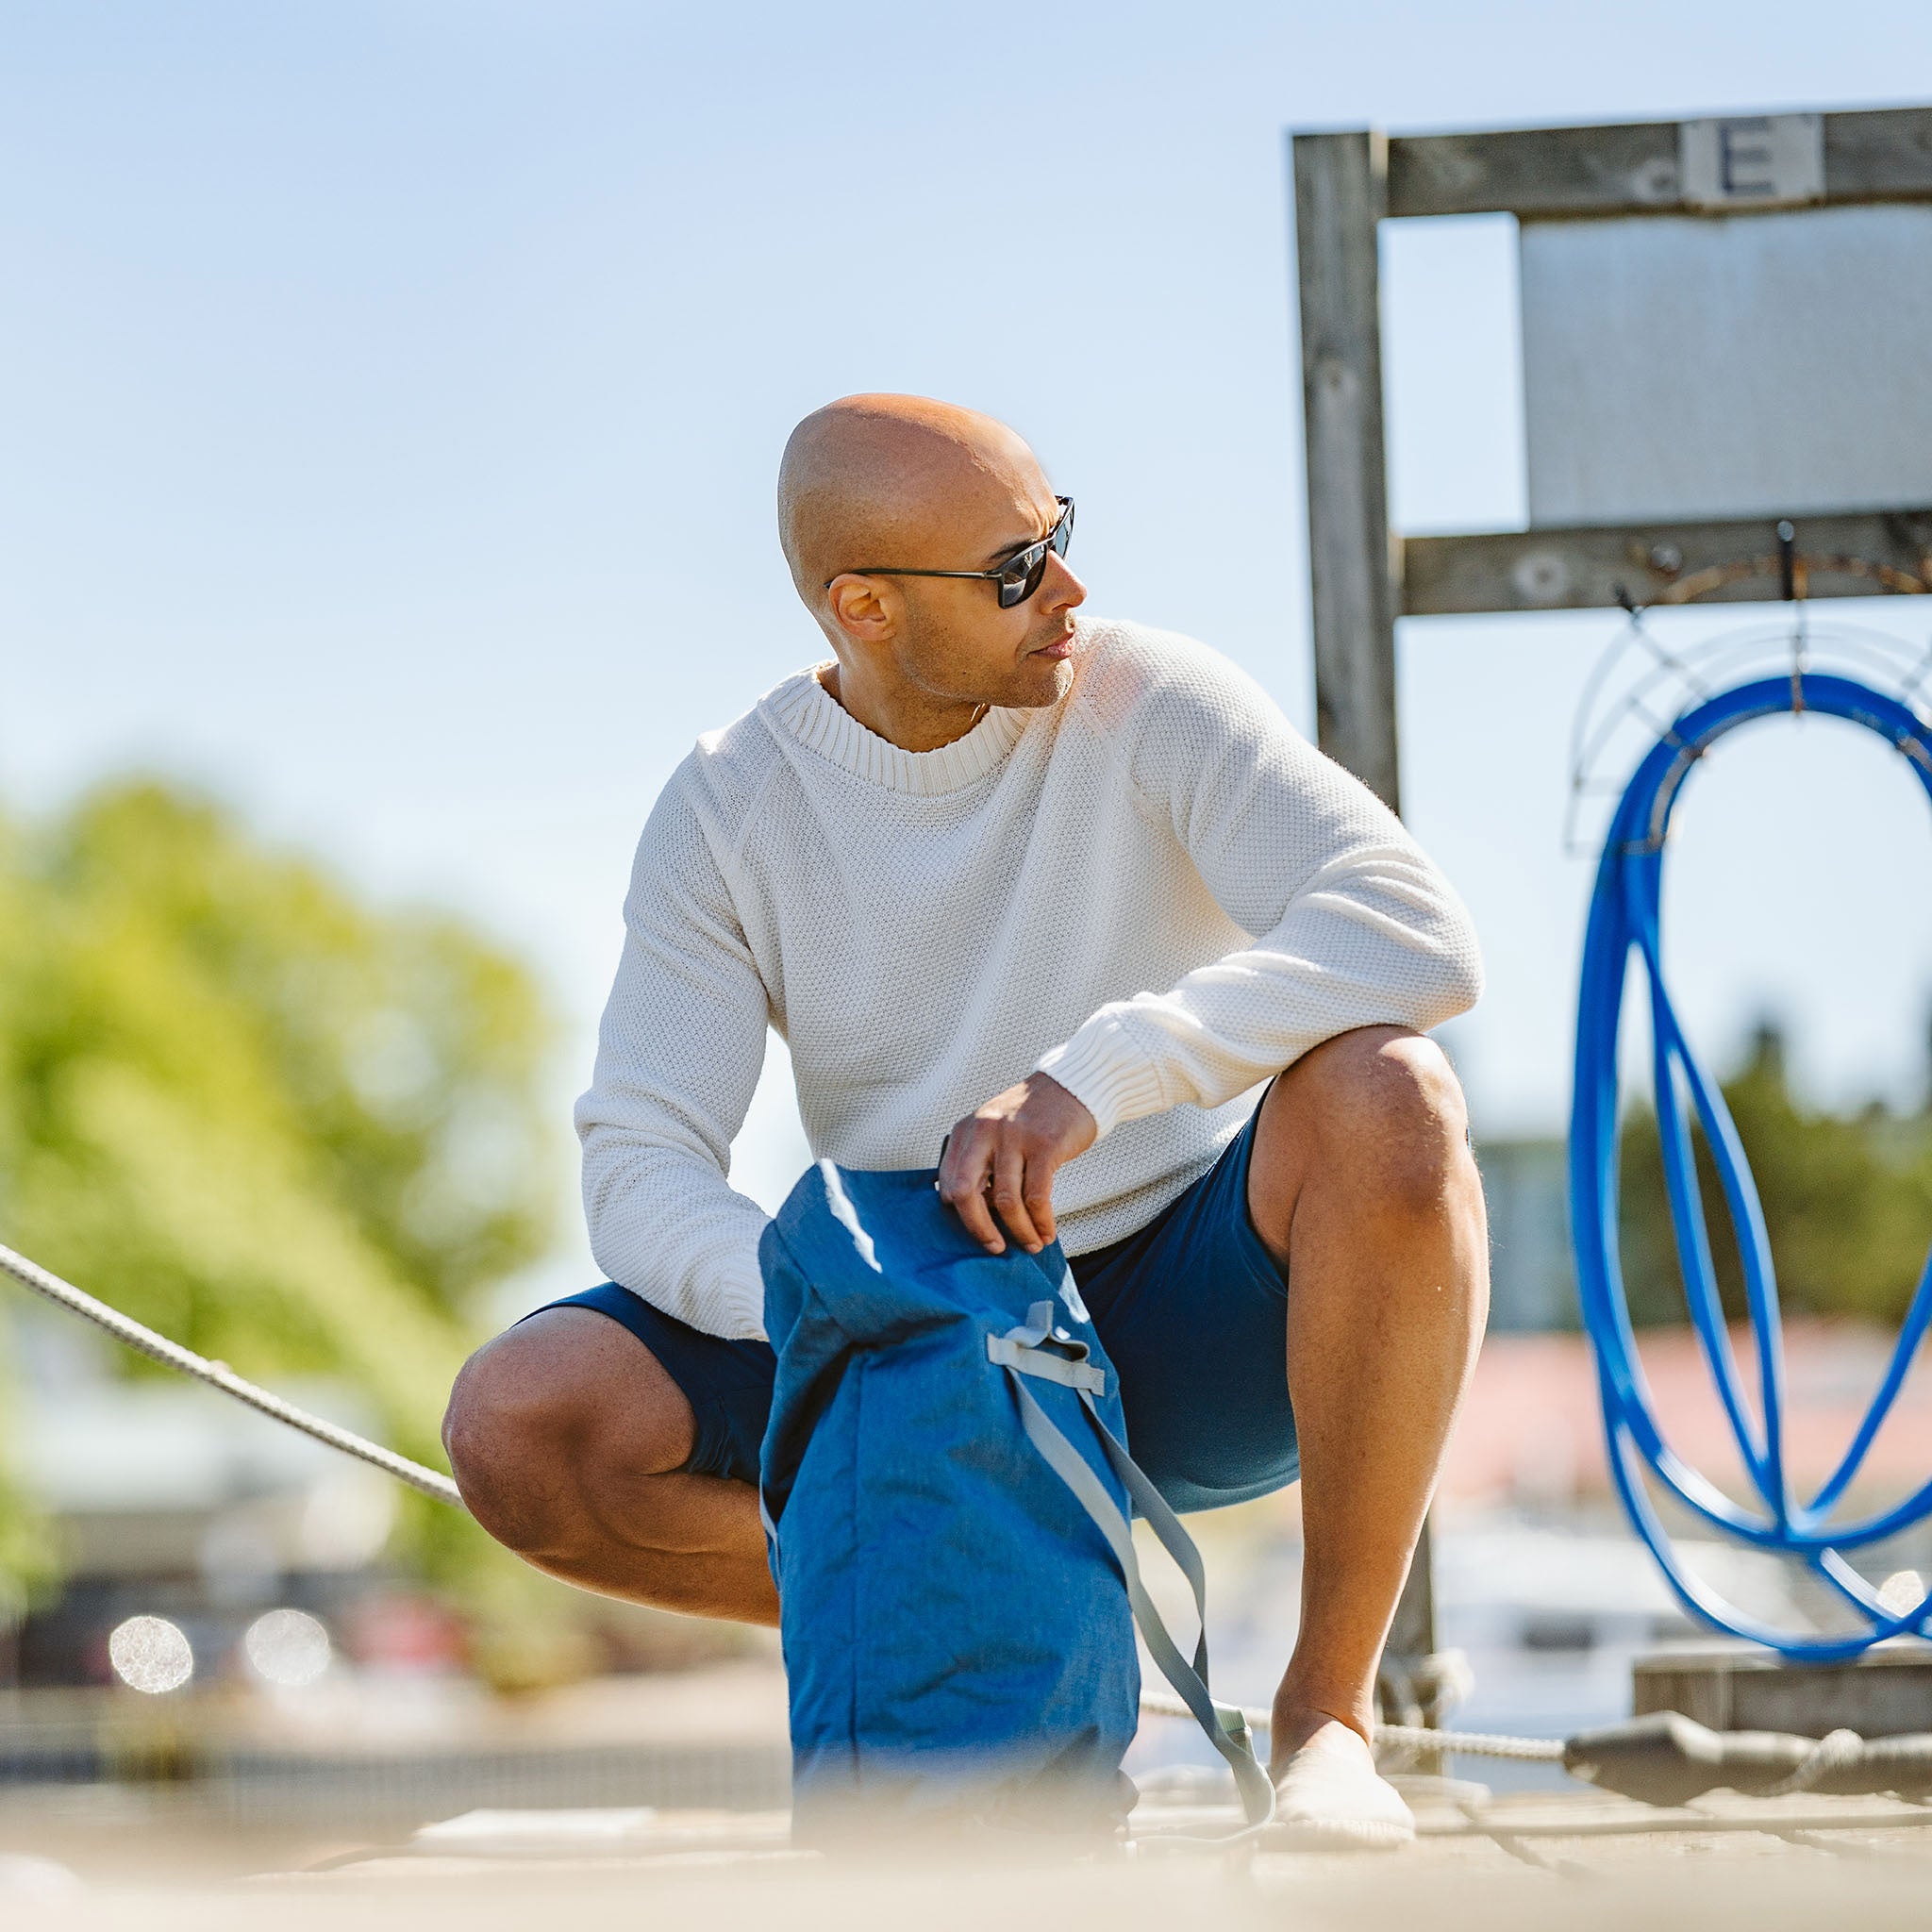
<point>1191,1309</point>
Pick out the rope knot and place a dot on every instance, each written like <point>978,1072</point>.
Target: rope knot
<point>1834,1751</point>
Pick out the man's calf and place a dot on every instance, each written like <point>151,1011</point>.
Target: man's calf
<point>568,1440</point>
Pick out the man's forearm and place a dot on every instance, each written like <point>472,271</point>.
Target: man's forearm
<point>1382,941</point>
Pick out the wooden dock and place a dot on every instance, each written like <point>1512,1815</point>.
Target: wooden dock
<point>1486,1865</point>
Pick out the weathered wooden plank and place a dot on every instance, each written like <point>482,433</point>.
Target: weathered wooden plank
<point>1406,1691</point>
<point>1536,171</point>
<point>1731,1686</point>
<point>1673,1828</point>
<point>1594,567</point>
<point>1879,156</point>
<point>1338,202</point>
<point>1633,166</point>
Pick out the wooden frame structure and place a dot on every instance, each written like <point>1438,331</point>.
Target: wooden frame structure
<point>1364,576</point>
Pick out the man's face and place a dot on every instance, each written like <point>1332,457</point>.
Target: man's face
<point>952,641</point>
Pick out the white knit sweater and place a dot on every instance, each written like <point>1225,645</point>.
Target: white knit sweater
<point>1154,890</point>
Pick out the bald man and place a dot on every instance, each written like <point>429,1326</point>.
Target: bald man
<point>1074,895</point>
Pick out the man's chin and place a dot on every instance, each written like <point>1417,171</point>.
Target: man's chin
<point>1041,681</point>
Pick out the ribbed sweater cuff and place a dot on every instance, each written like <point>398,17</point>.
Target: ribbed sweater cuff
<point>739,1314</point>
<point>1103,1070</point>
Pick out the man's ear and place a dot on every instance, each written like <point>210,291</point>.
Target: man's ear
<point>862,607</point>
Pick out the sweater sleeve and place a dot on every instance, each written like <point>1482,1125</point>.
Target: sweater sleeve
<point>678,1057</point>
<point>1352,925</point>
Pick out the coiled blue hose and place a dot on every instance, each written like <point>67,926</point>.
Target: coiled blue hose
<point>1623,921</point>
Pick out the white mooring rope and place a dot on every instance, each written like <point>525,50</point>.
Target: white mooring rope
<point>1832,1752</point>
<point>220,1376</point>
<point>433,1483</point>
<point>1412,1737</point>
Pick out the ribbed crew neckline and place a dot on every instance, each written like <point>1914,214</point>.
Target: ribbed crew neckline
<point>806,711</point>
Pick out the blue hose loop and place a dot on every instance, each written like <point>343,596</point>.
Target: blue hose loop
<point>1623,921</point>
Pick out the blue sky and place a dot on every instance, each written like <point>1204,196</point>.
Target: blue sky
<point>392,393</point>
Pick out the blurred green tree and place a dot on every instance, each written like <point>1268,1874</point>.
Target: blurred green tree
<point>293,1132</point>
<point>1847,1202</point>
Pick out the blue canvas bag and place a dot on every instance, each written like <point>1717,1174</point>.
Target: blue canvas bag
<point>947,1502</point>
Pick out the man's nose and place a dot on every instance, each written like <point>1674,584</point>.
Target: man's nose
<point>1060,589</point>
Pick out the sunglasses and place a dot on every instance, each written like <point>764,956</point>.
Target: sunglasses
<point>1017,577</point>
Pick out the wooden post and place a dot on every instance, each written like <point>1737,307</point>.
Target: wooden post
<point>1338,193</point>
<point>1412,1635</point>
<point>1339,188</point>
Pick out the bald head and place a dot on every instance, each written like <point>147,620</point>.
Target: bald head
<point>886,480</point>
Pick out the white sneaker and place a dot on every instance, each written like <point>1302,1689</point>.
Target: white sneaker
<point>1331,1798</point>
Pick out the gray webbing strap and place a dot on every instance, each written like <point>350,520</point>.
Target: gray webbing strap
<point>1025,1361</point>
<point>1036,1349</point>
<point>1188,1680</point>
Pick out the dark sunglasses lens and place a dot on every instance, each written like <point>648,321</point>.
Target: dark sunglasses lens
<point>1063,530</point>
<point>1021,577</point>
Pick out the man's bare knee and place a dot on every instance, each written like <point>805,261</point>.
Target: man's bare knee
<point>540,1414</point>
<point>1385,1101</point>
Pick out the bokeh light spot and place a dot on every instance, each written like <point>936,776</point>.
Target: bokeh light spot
<point>1903,1590</point>
<point>286,1647</point>
<point>150,1654</point>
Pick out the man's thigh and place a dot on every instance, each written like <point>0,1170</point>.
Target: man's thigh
<point>1194,1312</point>
<point>728,1384</point>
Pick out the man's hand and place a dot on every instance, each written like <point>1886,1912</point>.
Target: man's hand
<point>1004,1155</point>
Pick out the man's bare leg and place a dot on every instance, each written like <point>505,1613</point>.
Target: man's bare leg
<point>1362,1183</point>
<point>567,1437</point>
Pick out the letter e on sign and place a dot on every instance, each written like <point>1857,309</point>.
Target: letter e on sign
<point>1752,161</point>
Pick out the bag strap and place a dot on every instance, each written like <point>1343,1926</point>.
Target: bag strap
<point>1224,1727</point>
